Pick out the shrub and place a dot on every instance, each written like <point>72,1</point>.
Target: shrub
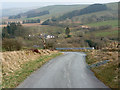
<point>11,44</point>
<point>50,44</point>
<point>105,27</point>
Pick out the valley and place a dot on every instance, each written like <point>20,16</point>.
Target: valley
<point>47,28</point>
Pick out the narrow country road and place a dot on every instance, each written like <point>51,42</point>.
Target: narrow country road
<point>65,71</point>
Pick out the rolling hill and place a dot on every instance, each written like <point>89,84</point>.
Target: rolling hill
<point>89,14</point>
<point>90,9</point>
<point>112,11</point>
<point>75,13</point>
<point>55,10</point>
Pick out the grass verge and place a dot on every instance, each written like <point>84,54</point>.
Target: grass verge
<point>107,73</point>
<point>15,78</point>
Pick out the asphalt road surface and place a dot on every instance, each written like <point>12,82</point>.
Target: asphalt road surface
<point>65,71</point>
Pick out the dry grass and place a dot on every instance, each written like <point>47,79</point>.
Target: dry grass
<point>12,61</point>
<point>107,73</point>
<point>17,68</point>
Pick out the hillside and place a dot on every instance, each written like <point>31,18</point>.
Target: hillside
<point>55,10</point>
<point>92,13</point>
<point>101,24</point>
<point>90,9</point>
<point>75,12</point>
<point>113,6</point>
<point>112,11</point>
<point>15,11</point>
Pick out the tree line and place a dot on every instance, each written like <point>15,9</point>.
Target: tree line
<point>94,18</point>
<point>12,30</point>
<point>15,16</point>
<point>31,21</point>
<point>29,14</point>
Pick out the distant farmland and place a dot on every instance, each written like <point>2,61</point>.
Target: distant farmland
<point>29,24</point>
<point>113,23</point>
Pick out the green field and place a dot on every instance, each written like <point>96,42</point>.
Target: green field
<point>104,33</point>
<point>113,23</point>
<point>107,33</point>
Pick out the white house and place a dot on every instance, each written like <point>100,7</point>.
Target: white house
<point>50,36</point>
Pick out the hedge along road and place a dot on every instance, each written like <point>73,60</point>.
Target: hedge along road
<point>66,71</point>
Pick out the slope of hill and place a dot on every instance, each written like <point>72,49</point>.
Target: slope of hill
<point>76,13</point>
<point>113,6</point>
<point>15,11</point>
<point>113,23</point>
<point>96,9</point>
<point>111,12</point>
<point>90,9</point>
<point>89,14</point>
<point>55,10</point>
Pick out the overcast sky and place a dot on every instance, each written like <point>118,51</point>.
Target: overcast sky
<point>86,1</point>
<point>33,3</point>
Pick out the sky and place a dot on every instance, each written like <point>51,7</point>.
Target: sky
<point>33,3</point>
<point>60,1</point>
